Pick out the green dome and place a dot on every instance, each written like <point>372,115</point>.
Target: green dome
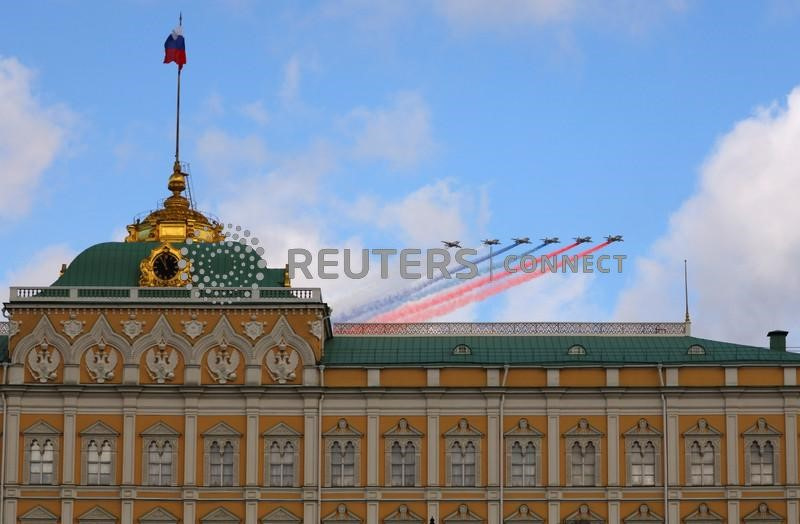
<point>117,264</point>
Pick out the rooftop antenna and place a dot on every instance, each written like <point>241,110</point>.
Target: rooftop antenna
<point>686,319</point>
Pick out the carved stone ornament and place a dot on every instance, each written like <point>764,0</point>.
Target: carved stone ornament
<point>72,327</point>
<point>315,327</point>
<point>222,363</point>
<point>193,328</point>
<point>253,329</point>
<point>101,361</point>
<point>43,362</point>
<point>13,327</point>
<point>132,328</point>
<point>281,363</point>
<point>161,362</point>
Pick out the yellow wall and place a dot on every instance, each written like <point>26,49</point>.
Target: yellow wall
<point>582,377</point>
<point>701,376</point>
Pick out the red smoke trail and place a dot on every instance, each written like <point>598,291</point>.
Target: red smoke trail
<point>492,290</point>
<point>416,308</point>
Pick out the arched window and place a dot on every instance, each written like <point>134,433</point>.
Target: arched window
<point>343,462</point>
<point>99,463</point>
<point>462,464</point>
<point>281,464</point>
<point>583,464</point>
<point>523,464</point>
<point>403,463</point>
<point>41,462</point>
<point>221,464</point>
<point>762,464</point>
<point>701,464</point>
<point>159,467</point>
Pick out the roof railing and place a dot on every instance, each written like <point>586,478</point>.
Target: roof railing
<point>512,328</point>
<point>215,295</point>
<point>5,328</point>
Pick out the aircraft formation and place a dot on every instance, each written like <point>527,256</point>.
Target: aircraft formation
<point>526,240</point>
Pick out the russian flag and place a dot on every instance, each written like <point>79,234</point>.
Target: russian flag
<point>175,48</point>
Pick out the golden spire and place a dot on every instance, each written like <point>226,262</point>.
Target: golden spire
<point>176,221</point>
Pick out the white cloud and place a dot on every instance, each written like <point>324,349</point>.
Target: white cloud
<point>225,155</point>
<point>633,15</point>
<point>256,112</point>
<point>558,297</point>
<point>291,80</point>
<point>399,133</point>
<point>31,135</point>
<point>738,231</point>
<point>41,270</point>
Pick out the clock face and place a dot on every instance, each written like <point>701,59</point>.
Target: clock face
<point>165,266</point>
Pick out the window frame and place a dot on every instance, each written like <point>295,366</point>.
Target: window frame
<point>761,433</point>
<point>41,431</point>
<point>282,434</point>
<point>402,433</point>
<point>342,433</point>
<point>221,434</point>
<point>462,434</point>
<point>583,434</point>
<point>99,433</point>
<point>702,432</point>
<point>524,434</point>
<point>640,435</point>
<point>163,434</point>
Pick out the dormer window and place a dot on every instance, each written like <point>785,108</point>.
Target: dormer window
<point>576,350</point>
<point>696,349</point>
<point>462,349</point>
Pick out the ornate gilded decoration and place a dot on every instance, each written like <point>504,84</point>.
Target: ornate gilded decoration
<point>132,327</point>
<point>43,362</point>
<point>100,362</point>
<point>164,268</point>
<point>161,362</point>
<point>222,363</point>
<point>281,363</point>
<point>176,221</point>
<point>193,328</point>
<point>72,327</point>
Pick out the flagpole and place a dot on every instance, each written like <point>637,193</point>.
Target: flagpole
<point>178,121</point>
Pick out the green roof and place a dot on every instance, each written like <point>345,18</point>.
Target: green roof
<point>347,351</point>
<point>4,348</point>
<point>117,264</point>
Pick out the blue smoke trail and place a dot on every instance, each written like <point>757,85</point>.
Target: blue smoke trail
<point>379,306</point>
<point>390,300</point>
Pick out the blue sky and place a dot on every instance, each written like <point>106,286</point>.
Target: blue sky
<point>392,124</point>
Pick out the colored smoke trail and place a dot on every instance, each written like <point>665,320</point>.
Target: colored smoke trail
<point>386,303</point>
<point>464,300</point>
<point>413,309</point>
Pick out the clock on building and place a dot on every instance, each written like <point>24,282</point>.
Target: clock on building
<point>163,268</point>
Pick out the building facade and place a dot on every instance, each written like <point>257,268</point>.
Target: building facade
<point>130,398</point>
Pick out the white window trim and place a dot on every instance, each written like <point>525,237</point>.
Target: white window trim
<point>403,515</point>
<point>342,433</point>
<point>703,515</point>
<point>583,433</point>
<point>161,433</point>
<point>38,515</point>
<point>524,515</point>
<point>220,516</point>
<point>584,515</point>
<point>97,515</point>
<point>98,432</point>
<point>281,515</point>
<point>643,515</point>
<point>761,433</point>
<point>220,433</point>
<point>462,515</point>
<point>282,434</point>
<point>524,433</point>
<point>41,431</point>
<point>463,433</point>
<point>403,433</point>
<point>642,433</point>
<point>342,514</point>
<point>701,433</point>
<point>763,515</point>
